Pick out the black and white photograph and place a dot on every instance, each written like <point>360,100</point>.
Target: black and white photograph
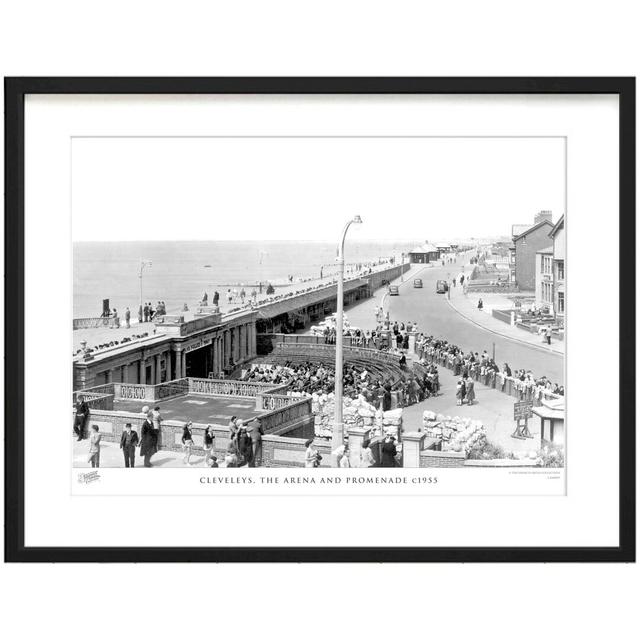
<point>371,302</point>
<point>270,296</point>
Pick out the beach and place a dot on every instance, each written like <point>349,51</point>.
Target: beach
<point>182,271</point>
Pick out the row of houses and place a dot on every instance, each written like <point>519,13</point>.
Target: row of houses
<point>537,261</point>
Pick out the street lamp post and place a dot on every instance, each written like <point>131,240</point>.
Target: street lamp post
<point>143,264</point>
<point>337,437</point>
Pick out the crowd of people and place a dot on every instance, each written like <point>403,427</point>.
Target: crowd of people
<point>111,343</point>
<point>308,378</point>
<point>470,366</point>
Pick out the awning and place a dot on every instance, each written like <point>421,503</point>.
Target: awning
<point>294,303</point>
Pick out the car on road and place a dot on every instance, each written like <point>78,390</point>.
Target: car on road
<point>393,290</point>
<point>417,283</point>
<point>442,286</point>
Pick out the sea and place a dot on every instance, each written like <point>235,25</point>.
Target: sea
<point>181,271</point>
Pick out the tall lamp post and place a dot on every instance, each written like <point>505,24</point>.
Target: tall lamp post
<point>143,264</point>
<point>337,437</point>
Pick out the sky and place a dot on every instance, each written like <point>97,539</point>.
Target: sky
<point>305,189</point>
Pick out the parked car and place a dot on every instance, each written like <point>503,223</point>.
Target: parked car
<point>442,286</point>
<point>393,290</point>
<point>417,283</point>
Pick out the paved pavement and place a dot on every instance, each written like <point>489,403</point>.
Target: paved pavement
<point>111,457</point>
<point>466,304</point>
<point>493,408</point>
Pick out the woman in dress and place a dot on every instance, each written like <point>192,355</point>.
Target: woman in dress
<point>187,442</point>
<point>208,444</point>
<point>311,456</point>
<point>470,391</point>
<point>94,446</point>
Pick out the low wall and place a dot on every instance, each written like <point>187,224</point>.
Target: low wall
<point>212,387</point>
<point>490,288</point>
<point>94,323</point>
<point>328,351</point>
<point>95,400</point>
<point>295,415</point>
<point>431,458</point>
<point>290,452</point>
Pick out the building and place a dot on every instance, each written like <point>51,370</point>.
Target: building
<point>544,278</point>
<point>424,254</point>
<point>557,235</point>
<point>526,245</point>
<point>550,290</point>
<point>208,343</point>
<point>177,348</point>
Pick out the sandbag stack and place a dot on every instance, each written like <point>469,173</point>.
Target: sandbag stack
<point>355,413</point>
<point>457,434</point>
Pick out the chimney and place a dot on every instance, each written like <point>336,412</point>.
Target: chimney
<point>542,215</point>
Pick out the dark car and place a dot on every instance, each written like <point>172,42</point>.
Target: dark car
<point>442,286</point>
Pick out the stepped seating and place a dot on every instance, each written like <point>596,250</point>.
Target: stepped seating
<point>390,370</point>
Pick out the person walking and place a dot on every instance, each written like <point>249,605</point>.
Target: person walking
<point>149,439</point>
<point>255,433</point>
<point>116,319</point>
<point>94,446</point>
<point>231,458</point>
<point>81,417</point>
<point>216,298</point>
<point>209,444</point>
<point>245,449</point>
<point>344,459</point>
<point>187,442</point>
<point>389,452</point>
<point>470,391</point>
<point>127,318</point>
<point>311,456</point>
<point>460,388</point>
<point>366,456</point>
<point>128,443</point>
<point>547,334</point>
<point>145,311</point>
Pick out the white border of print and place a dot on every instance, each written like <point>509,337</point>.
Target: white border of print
<point>54,517</point>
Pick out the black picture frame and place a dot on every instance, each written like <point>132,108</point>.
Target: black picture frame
<point>15,91</point>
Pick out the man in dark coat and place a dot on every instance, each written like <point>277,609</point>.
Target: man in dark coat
<point>386,400</point>
<point>389,452</point>
<point>245,447</point>
<point>128,443</point>
<point>148,441</point>
<point>255,433</point>
<point>80,420</point>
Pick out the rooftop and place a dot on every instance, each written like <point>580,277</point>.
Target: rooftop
<point>425,248</point>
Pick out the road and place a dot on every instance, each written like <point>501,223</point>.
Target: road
<point>435,317</point>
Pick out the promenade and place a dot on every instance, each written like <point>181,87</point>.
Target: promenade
<point>425,306</point>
